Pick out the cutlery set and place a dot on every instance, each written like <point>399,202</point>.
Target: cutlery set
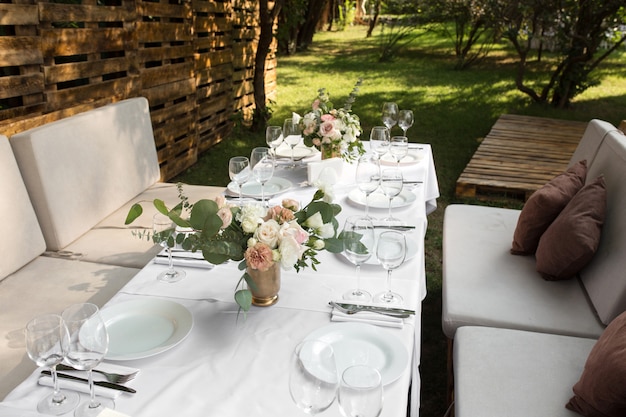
<point>113,381</point>
<point>349,308</point>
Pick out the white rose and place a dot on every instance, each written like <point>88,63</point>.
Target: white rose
<point>326,231</point>
<point>315,221</point>
<point>290,252</point>
<point>268,233</point>
<point>251,242</point>
<point>250,217</point>
<point>319,244</point>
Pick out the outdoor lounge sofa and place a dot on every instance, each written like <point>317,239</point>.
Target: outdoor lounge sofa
<point>520,342</point>
<point>66,189</point>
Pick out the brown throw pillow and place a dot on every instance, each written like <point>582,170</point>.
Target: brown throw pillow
<point>573,238</point>
<point>544,205</point>
<point>601,389</point>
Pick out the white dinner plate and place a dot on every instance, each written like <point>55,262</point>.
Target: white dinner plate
<point>142,328</point>
<point>253,189</point>
<point>365,344</point>
<point>411,250</point>
<point>379,200</point>
<point>412,157</point>
<point>299,152</point>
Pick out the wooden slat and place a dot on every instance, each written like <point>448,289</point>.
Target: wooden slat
<point>18,14</point>
<point>20,50</point>
<point>518,156</point>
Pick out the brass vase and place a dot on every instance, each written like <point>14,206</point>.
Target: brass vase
<point>328,150</point>
<point>266,285</point>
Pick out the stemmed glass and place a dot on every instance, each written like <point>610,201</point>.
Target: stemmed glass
<point>405,120</point>
<point>379,140</point>
<point>164,233</point>
<point>262,165</point>
<point>359,243</point>
<point>47,342</point>
<point>292,137</point>
<point>273,138</point>
<point>360,392</point>
<point>399,148</point>
<point>368,176</point>
<point>390,115</point>
<point>391,252</point>
<point>391,182</point>
<point>239,172</point>
<point>89,342</point>
<point>313,378</point>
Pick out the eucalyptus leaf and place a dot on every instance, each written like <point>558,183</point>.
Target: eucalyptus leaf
<point>333,245</point>
<point>201,211</point>
<point>135,211</point>
<point>243,299</point>
<point>161,207</point>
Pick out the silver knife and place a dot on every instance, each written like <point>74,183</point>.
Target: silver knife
<point>104,384</point>
<point>393,227</point>
<point>377,308</point>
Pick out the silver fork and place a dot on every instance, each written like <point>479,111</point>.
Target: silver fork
<point>356,309</point>
<point>110,376</point>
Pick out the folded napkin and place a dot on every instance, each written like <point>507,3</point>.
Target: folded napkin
<point>8,411</point>
<point>107,412</point>
<point>183,258</point>
<point>327,170</point>
<point>367,317</point>
<point>79,386</point>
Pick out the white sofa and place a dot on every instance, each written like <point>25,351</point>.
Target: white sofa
<point>67,187</point>
<point>520,342</point>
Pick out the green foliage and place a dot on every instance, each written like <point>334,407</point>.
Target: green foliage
<point>395,34</point>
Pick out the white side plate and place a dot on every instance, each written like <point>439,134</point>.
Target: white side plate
<point>379,200</point>
<point>252,188</point>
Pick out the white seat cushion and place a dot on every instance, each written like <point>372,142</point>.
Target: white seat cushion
<point>594,135</point>
<point>484,285</point>
<point>511,373</point>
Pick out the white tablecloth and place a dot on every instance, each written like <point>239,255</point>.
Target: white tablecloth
<point>235,366</point>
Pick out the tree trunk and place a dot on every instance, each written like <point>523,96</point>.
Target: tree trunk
<point>374,20</point>
<point>305,36</point>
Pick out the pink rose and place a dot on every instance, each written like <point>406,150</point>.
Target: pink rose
<point>280,214</point>
<point>220,200</point>
<point>316,104</point>
<point>226,215</point>
<point>291,204</point>
<point>327,118</point>
<point>259,257</point>
<point>296,231</point>
<point>327,128</point>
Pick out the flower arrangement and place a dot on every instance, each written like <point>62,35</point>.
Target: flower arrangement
<point>256,236</point>
<point>335,131</point>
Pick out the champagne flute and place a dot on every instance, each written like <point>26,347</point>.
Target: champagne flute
<point>390,115</point>
<point>239,172</point>
<point>405,120</point>
<point>313,378</point>
<point>292,137</point>
<point>89,342</point>
<point>273,138</point>
<point>47,342</point>
<point>391,182</point>
<point>368,176</point>
<point>358,246</point>
<point>399,148</point>
<point>262,165</point>
<point>380,140</point>
<point>391,252</point>
<point>360,392</point>
<point>164,233</point>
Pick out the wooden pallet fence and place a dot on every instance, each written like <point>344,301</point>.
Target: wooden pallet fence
<point>192,59</point>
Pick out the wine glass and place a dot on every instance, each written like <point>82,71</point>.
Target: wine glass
<point>47,341</point>
<point>292,137</point>
<point>390,252</point>
<point>379,140</point>
<point>89,342</point>
<point>390,115</point>
<point>313,378</point>
<point>399,148</point>
<point>405,120</point>
<point>360,392</point>
<point>358,246</point>
<point>164,233</point>
<point>239,172</point>
<point>262,165</point>
<point>368,176</point>
<point>273,138</point>
<point>391,182</point>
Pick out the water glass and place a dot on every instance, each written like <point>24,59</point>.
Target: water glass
<point>391,182</point>
<point>239,172</point>
<point>391,253</point>
<point>405,120</point>
<point>273,138</point>
<point>89,342</point>
<point>262,165</point>
<point>164,234</point>
<point>360,392</point>
<point>380,140</point>
<point>368,176</point>
<point>47,343</point>
<point>390,115</point>
<point>358,246</point>
<point>313,377</point>
<point>292,137</point>
<point>399,148</point>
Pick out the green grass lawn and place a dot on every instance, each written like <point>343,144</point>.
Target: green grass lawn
<point>453,111</point>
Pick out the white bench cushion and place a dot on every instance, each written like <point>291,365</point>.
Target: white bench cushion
<point>594,135</point>
<point>512,373</point>
<point>22,238</point>
<point>484,285</point>
<point>81,169</point>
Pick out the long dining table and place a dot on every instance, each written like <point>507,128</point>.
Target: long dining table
<point>231,364</point>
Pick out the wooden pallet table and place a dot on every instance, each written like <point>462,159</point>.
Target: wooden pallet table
<point>518,156</point>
